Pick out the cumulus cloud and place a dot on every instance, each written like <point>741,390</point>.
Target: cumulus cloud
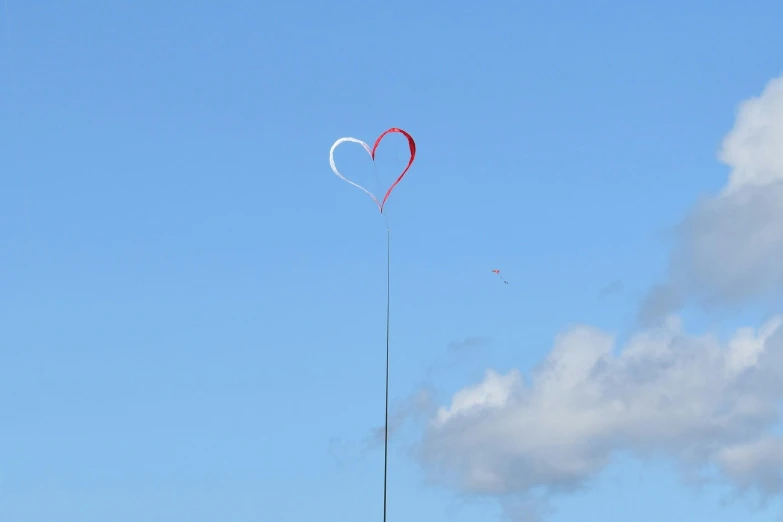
<point>730,247</point>
<point>705,403</point>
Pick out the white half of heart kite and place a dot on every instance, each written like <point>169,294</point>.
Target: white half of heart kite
<point>334,167</point>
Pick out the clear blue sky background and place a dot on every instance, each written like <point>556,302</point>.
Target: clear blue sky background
<point>192,304</point>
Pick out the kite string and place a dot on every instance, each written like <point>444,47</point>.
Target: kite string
<point>386,420</point>
<point>388,315</point>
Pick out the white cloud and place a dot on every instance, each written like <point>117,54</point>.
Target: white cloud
<point>730,247</point>
<point>701,402</point>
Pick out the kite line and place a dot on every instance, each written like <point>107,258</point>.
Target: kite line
<point>386,415</point>
<point>388,330</point>
<point>371,152</point>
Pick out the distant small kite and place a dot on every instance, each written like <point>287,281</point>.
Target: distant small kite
<point>496,271</point>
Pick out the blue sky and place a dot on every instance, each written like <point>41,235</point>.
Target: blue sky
<point>193,304</point>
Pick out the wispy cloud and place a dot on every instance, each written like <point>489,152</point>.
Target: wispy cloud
<point>471,344</point>
<point>416,407</point>
<point>612,289</point>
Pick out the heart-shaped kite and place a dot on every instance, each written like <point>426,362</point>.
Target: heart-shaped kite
<point>371,152</point>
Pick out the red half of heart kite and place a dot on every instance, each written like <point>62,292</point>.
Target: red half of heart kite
<point>371,152</point>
